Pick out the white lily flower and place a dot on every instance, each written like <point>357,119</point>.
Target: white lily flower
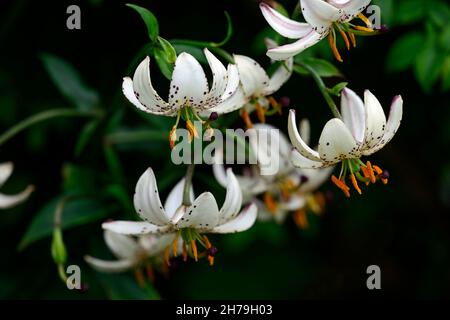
<point>362,131</point>
<point>289,189</point>
<point>187,221</point>
<point>189,92</point>
<point>323,17</point>
<point>8,201</point>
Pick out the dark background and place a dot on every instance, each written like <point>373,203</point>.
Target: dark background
<point>402,227</point>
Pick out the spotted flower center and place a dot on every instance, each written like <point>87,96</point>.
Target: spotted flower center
<point>189,115</point>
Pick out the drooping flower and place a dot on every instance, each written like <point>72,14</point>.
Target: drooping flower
<point>256,88</point>
<point>133,253</point>
<point>323,18</point>
<point>189,92</point>
<point>287,190</point>
<point>8,201</point>
<point>188,221</point>
<point>362,131</point>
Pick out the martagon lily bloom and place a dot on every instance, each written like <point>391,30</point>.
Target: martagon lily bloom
<point>189,91</point>
<point>288,190</point>
<point>362,131</point>
<point>187,221</point>
<point>8,201</point>
<point>256,88</point>
<point>323,18</point>
<point>133,254</point>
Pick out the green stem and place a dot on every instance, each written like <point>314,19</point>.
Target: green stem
<point>45,115</point>
<point>62,272</point>
<point>187,185</point>
<point>323,89</point>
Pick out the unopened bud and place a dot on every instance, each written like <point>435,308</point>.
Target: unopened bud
<point>58,248</point>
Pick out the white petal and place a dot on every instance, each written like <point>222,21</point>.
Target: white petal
<point>219,169</point>
<point>295,202</point>
<point>351,8</point>
<point>392,125</point>
<point>375,120</point>
<point>297,140</point>
<point>279,77</point>
<point>300,161</point>
<point>289,50</point>
<point>189,85</point>
<point>202,214</point>
<point>220,77</point>
<point>175,198</point>
<point>123,246</point>
<point>252,75</point>
<point>233,82</point>
<point>110,266</point>
<point>235,102</point>
<point>146,200</point>
<point>353,113</point>
<point>305,130</point>
<point>134,227</point>
<point>286,27</point>
<point>6,170</point>
<point>233,199</point>
<point>336,142</point>
<point>243,221</point>
<point>320,14</point>
<point>144,92</point>
<point>316,177</point>
<point>8,201</point>
<point>154,244</point>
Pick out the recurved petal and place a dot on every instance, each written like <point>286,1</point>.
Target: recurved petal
<point>143,91</point>
<point>189,85</point>
<point>123,246</point>
<point>302,162</point>
<point>392,125</point>
<point>202,214</point>
<point>375,120</point>
<point>175,199</point>
<point>286,27</point>
<point>297,140</point>
<point>6,170</point>
<point>336,142</point>
<point>8,201</point>
<point>289,50</point>
<point>253,77</point>
<point>146,200</point>
<point>154,244</point>
<point>110,266</point>
<point>233,199</point>
<point>134,228</point>
<point>220,76</point>
<point>243,221</point>
<point>316,177</point>
<point>351,8</point>
<point>353,113</point>
<point>320,14</point>
<point>279,77</point>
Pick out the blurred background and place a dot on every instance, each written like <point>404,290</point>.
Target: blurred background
<point>403,227</point>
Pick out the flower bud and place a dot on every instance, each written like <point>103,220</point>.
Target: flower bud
<point>58,248</point>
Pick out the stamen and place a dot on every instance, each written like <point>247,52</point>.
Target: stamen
<point>167,256</point>
<point>246,117</point>
<point>344,36</point>
<point>341,185</point>
<point>192,130</point>
<point>173,136</point>
<point>381,174</point>
<point>365,20</point>
<point>175,246</point>
<point>185,253</point>
<point>150,273</point>
<point>211,260</point>
<point>270,203</point>
<point>139,277</point>
<point>366,175</point>
<point>355,183</point>
<point>331,40</point>
<point>363,29</point>
<point>300,219</point>
<point>260,113</point>
<point>194,250</point>
<point>352,39</point>
<point>371,173</point>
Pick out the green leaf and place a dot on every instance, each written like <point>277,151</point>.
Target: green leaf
<point>446,75</point>
<point>444,39</point>
<point>336,90</point>
<point>85,136</point>
<point>68,81</point>
<point>165,67</point>
<point>409,11</point>
<point>168,49</point>
<point>322,67</point>
<point>439,12</point>
<point>76,212</point>
<point>150,21</point>
<point>196,52</point>
<point>404,51</point>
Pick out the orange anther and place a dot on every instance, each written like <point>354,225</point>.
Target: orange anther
<point>300,218</point>
<point>363,29</point>
<point>352,39</point>
<point>365,20</point>
<point>371,173</point>
<point>344,36</point>
<point>150,273</point>
<point>260,113</point>
<point>173,136</point>
<point>246,117</point>
<point>167,255</point>
<point>139,277</point>
<point>341,185</point>
<point>194,250</point>
<point>270,203</point>
<point>185,253</point>
<point>355,183</point>
<point>334,48</point>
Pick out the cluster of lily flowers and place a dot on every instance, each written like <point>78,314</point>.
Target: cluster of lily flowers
<point>179,228</point>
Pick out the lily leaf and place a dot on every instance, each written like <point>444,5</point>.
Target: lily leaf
<point>68,81</point>
<point>165,67</point>
<point>149,19</point>
<point>404,51</point>
<point>168,49</point>
<point>323,67</point>
<point>336,90</point>
<point>196,52</point>
<point>76,212</point>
